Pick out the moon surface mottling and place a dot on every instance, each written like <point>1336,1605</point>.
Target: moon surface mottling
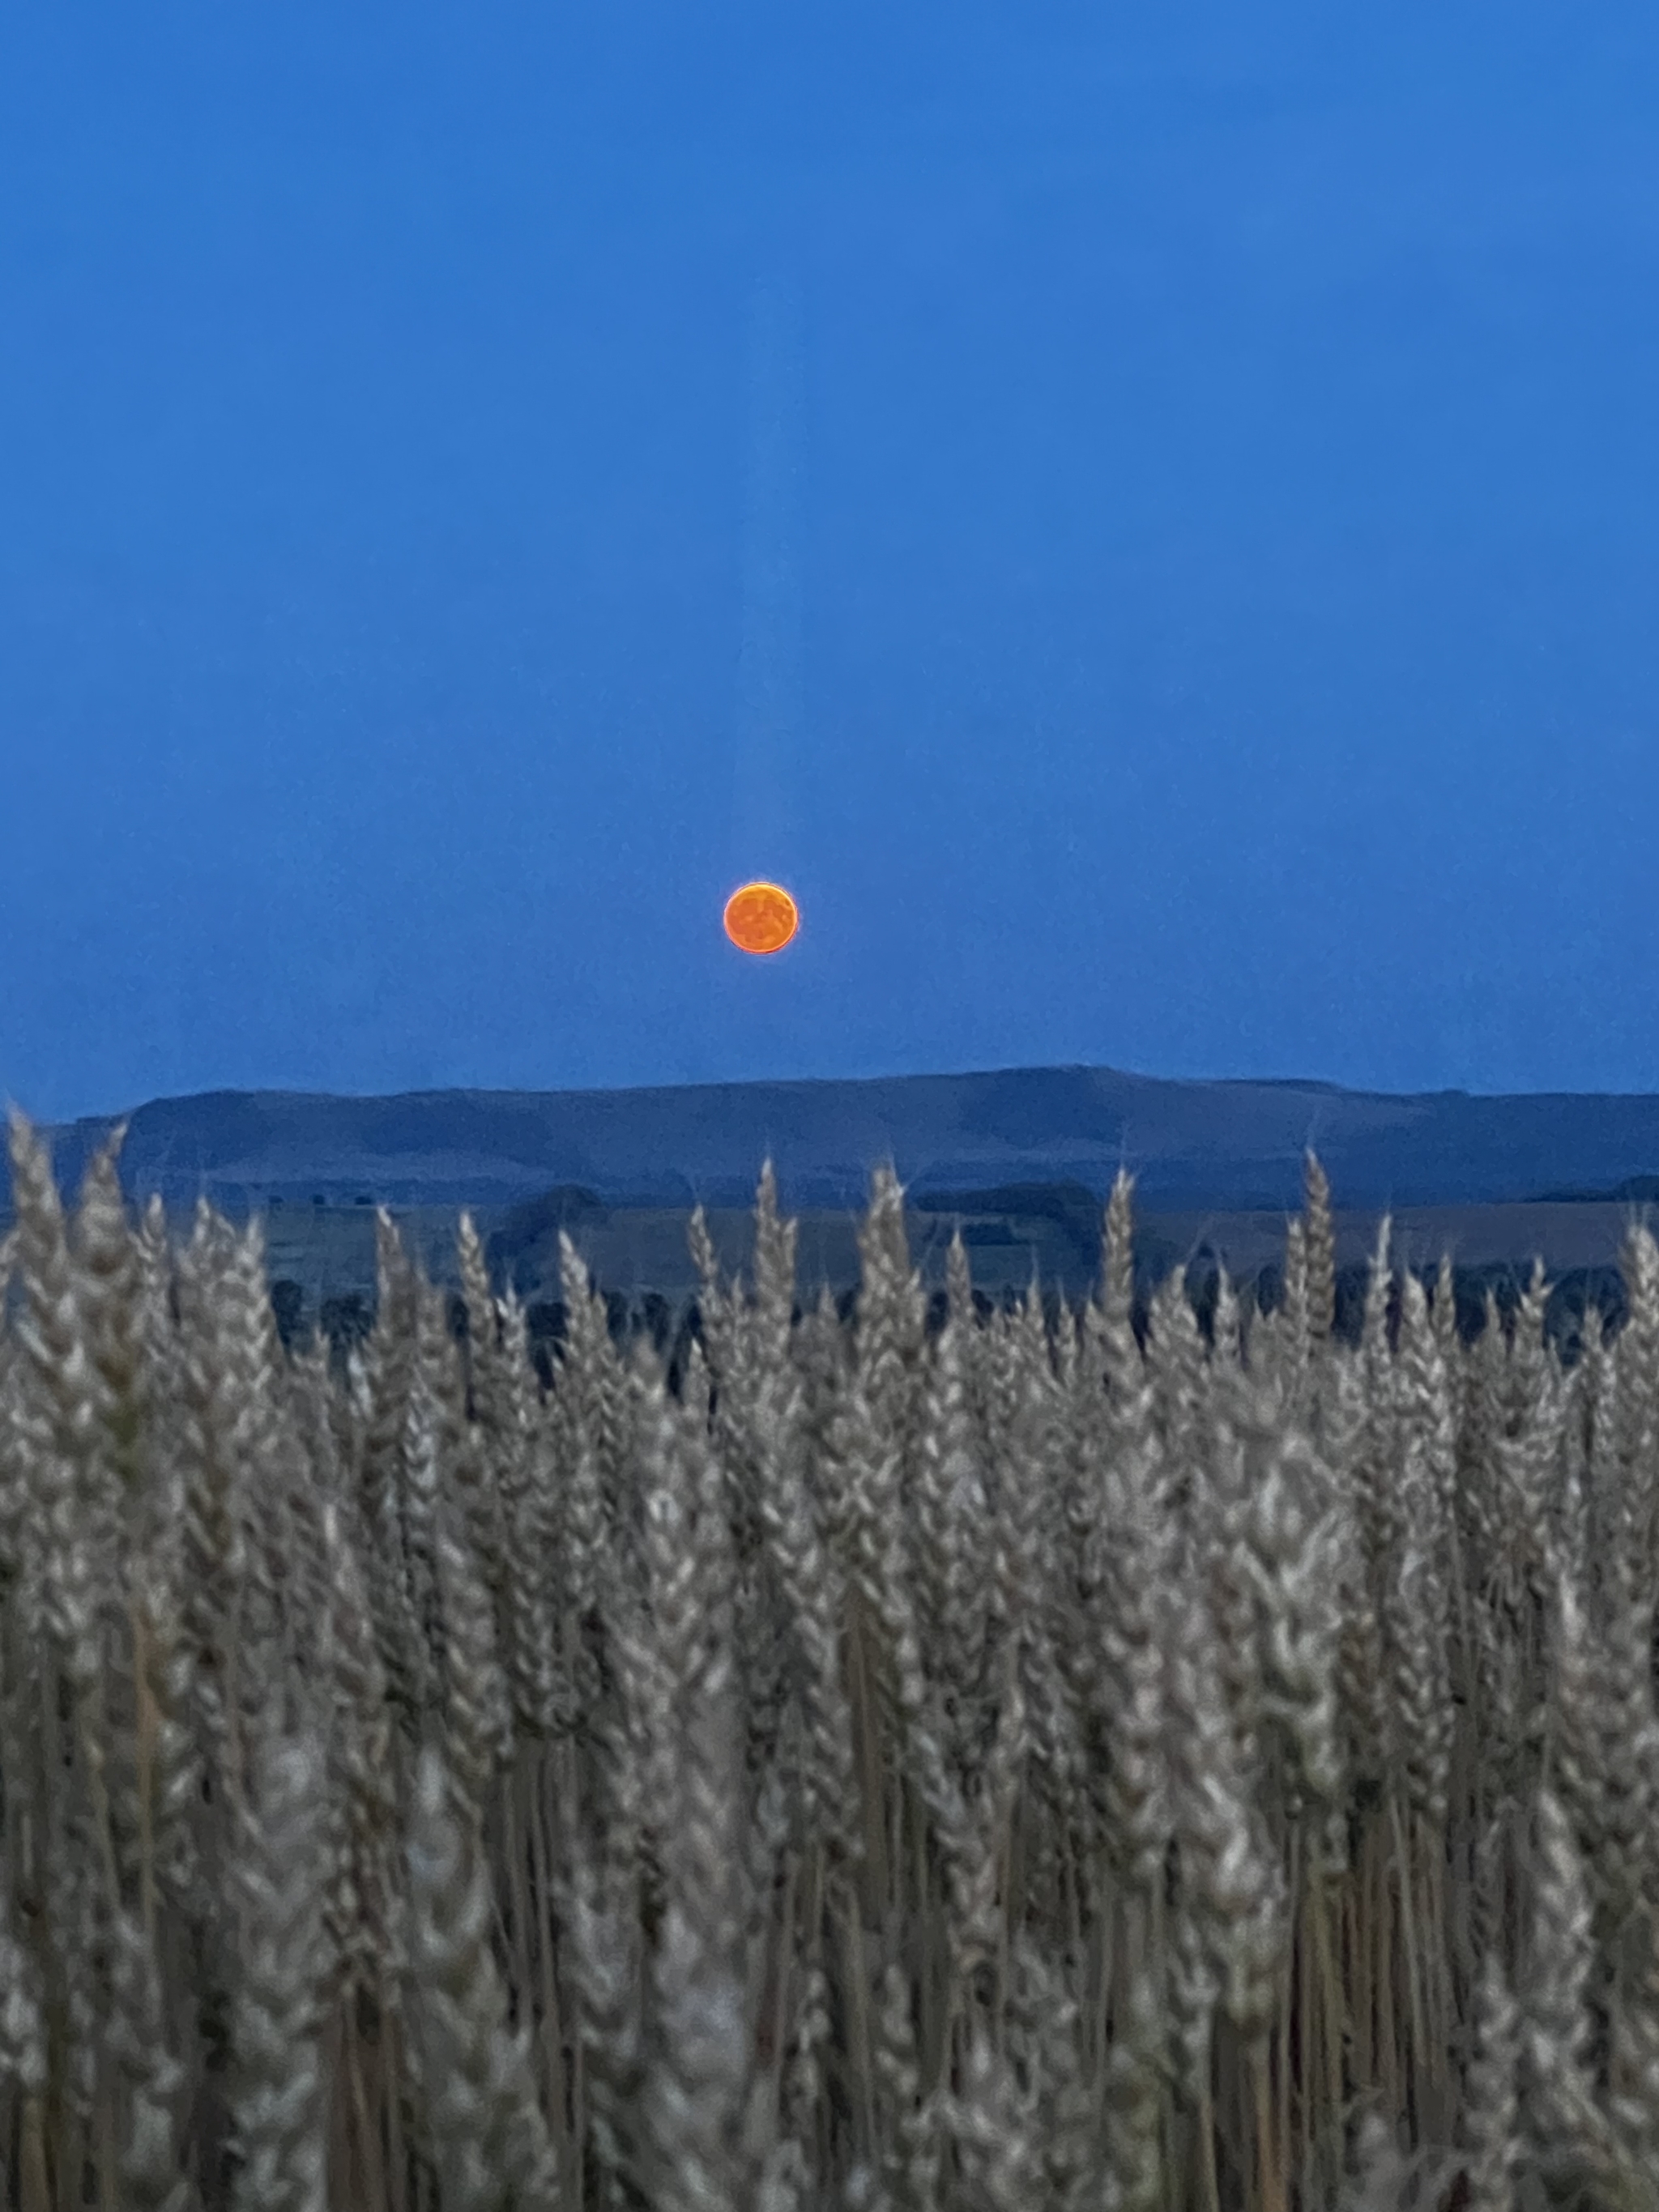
<point>760,917</point>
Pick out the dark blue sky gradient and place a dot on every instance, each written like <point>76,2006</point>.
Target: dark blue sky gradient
<point>1221,541</point>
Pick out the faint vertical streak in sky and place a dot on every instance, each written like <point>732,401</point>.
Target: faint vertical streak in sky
<point>769,690</point>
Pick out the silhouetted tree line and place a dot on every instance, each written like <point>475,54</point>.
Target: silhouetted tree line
<point>345,1318</point>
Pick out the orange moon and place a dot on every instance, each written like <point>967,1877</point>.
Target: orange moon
<point>760,918</point>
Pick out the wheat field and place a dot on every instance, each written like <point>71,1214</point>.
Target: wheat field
<point>1004,1768</point>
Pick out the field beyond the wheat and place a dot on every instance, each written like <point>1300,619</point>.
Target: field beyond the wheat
<point>1045,1760</point>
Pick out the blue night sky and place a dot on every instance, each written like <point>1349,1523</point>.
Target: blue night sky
<point>1145,517</point>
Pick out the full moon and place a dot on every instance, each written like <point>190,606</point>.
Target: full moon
<point>760,918</point>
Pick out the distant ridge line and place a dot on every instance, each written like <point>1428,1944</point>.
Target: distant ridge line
<point>1236,1143</point>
